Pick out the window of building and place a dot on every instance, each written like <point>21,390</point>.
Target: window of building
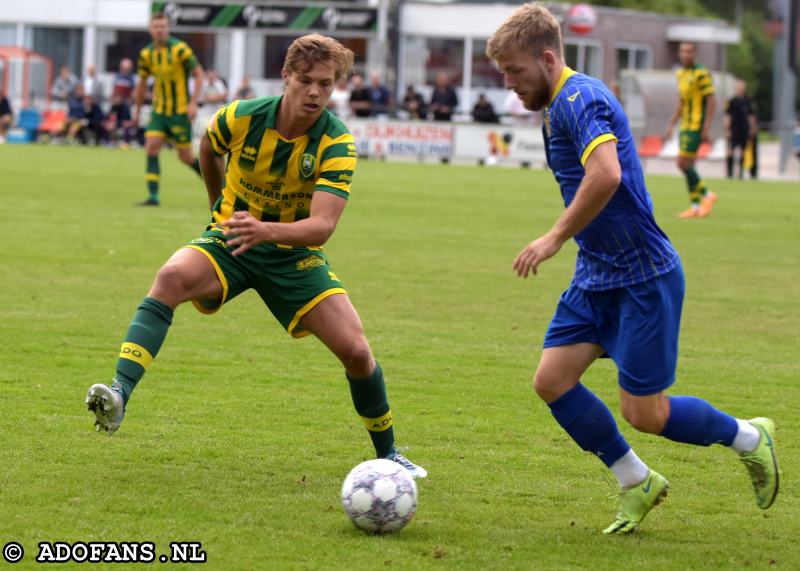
<point>8,35</point>
<point>632,56</point>
<point>424,58</point>
<point>62,45</point>
<point>264,55</point>
<point>584,56</point>
<point>484,72</point>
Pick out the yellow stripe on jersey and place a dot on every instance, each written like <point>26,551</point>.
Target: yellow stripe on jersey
<point>270,176</point>
<point>594,144</point>
<point>170,66</point>
<point>136,353</point>
<point>694,85</point>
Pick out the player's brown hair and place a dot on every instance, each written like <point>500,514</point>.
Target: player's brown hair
<point>158,16</point>
<point>308,50</point>
<point>531,28</point>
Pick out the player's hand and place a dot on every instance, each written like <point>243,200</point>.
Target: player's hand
<point>191,110</point>
<point>245,232</point>
<point>705,135</point>
<point>535,253</point>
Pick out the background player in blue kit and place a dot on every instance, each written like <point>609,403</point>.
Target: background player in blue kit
<point>625,299</point>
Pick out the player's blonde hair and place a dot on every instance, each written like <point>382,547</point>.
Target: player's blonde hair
<point>308,50</point>
<point>530,28</point>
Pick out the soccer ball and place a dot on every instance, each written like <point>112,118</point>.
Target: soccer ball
<point>379,496</point>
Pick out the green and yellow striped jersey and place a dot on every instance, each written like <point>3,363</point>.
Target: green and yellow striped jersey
<point>694,85</point>
<point>272,177</point>
<point>171,66</point>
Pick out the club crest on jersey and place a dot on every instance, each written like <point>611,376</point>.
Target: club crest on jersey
<point>308,163</point>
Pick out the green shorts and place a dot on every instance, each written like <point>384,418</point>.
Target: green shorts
<point>689,143</point>
<point>176,127</point>
<point>290,281</point>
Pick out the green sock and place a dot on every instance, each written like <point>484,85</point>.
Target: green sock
<point>142,342</point>
<point>695,184</point>
<point>196,167</point>
<point>372,405</point>
<point>152,176</point>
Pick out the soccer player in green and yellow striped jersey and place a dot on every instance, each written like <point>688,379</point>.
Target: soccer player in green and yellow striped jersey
<point>695,111</point>
<point>170,62</point>
<point>278,173</point>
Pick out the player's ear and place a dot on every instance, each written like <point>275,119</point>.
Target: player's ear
<point>285,76</point>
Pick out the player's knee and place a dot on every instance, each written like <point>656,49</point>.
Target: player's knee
<point>549,386</point>
<point>170,281</point>
<point>647,420</point>
<point>357,359</point>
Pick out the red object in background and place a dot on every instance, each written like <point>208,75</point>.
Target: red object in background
<point>581,19</point>
<point>10,55</point>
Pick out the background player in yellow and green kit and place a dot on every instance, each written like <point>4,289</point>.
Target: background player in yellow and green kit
<point>170,62</point>
<point>696,104</point>
<point>287,180</point>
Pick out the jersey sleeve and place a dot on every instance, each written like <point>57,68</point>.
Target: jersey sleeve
<point>588,116</point>
<point>143,64</point>
<point>221,128</point>
<point>337,165</point>
<point>187,57</point>
<point>705,85</point>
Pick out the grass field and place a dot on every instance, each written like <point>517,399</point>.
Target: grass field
<point>239,437</point>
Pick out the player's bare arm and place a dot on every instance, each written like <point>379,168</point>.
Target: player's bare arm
<point>213,167</point>
<point>326,209</point>
<point>672,120</point>
<point>601,180</point>
<point>199,80</point>
<point>711,105</point>
<point>141,90</point>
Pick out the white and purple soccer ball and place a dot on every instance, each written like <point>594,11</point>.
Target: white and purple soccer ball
<point>379,496</point>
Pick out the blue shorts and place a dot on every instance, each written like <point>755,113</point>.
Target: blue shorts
<point>637,326</point>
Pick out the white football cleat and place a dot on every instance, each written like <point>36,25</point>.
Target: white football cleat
<point>108,407</point>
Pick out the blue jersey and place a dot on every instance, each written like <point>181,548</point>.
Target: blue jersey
<point>623,245</point>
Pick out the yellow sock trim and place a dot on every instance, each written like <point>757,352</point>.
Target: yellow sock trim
<point>378,424</point>
<point>136,353</point>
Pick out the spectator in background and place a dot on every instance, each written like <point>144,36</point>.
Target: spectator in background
<point>483,111</point>
<point>516,112</point>
<point>124,82</point>
<point>360,98</point>
<point>740,129</point>
<point>93,121</point>
<point>119,122</point>
<point>414,104</point>
<point>379,95</point>
<point>6,116</point>
<point>92,85</point>
<point>339,103</point>
<point>215,93</point>
<point>64,85</point>
<point>443,99</point>
<point>244,90</point>
<point>75,114</point>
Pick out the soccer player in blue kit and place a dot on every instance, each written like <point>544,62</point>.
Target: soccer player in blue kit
<point>625,299</point>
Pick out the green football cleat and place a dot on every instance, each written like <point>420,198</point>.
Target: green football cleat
<point>762,463</point>
<point>636,502</point>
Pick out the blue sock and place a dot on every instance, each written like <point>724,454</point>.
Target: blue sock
<point>694,421</point>
<point>590,424</point>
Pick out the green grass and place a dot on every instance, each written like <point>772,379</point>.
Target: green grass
<point>239,437</point>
